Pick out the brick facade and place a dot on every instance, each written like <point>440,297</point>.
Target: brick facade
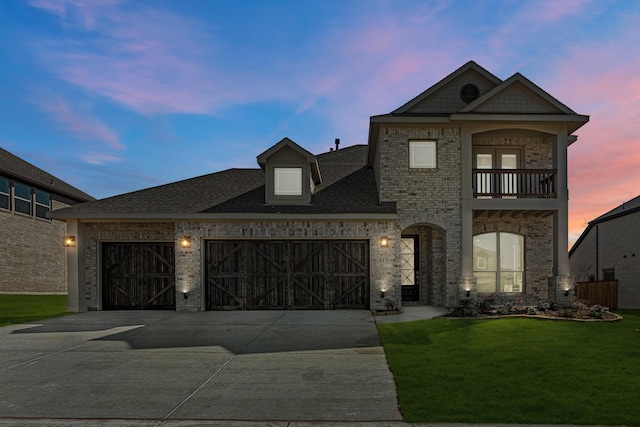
<point>190,261</point>
<point>33,259</point>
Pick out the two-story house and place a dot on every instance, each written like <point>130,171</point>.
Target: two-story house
<point>459,193</point>
<point>32,256</point>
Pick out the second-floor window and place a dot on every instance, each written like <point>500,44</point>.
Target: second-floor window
<point>43,203</point>
<point>22,198</point>
<point>5,193</point>
<point>422,154</point>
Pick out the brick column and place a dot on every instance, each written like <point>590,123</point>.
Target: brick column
<point>561,290</point>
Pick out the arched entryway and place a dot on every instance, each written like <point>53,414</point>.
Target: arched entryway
<point>423,265</point>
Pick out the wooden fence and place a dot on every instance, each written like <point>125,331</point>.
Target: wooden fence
<point>604,292</point>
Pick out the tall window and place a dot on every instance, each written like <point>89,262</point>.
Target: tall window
<point>287,181</point>
<point>498,262</point>
<point>5,197</point>
<point>43,203</point>
<point>22,198</point>
<point>422,154</point>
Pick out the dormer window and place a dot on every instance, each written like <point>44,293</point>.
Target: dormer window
<point>287,181</point>
<point>291,174</point>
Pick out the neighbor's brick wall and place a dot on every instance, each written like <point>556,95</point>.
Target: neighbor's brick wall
<point>427,196</point>
<point>583,260</point>
<point>619,248</point>
<point>538,242</point>
<point>96,233</point>
<point>32,257</point>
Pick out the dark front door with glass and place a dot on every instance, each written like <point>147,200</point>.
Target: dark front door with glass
<point>409,269</point>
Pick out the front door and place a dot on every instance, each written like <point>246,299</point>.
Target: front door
<point>409,269</point>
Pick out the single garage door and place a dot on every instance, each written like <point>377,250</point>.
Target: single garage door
<point>266,274</point>
<point>138,276</point>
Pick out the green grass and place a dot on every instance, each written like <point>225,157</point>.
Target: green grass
<point>27,308</point>
<point>516,370</point>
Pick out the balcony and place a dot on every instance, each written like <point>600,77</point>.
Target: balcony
<point>514,183</point>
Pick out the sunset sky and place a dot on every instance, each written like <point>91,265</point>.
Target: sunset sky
<point>114,95</point>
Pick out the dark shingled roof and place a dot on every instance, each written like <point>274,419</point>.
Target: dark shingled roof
<point>347,187</point>
<point>14,167</point>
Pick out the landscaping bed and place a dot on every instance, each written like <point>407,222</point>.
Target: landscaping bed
<point>519,307</point>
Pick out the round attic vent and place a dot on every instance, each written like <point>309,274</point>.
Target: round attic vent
<point>469,93</point>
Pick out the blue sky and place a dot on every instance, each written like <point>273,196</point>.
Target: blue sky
<point>114,96</point>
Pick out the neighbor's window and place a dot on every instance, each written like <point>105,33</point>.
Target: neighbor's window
<point>22,198</point>
<point>498,262</point>
<point>422,154</point>
<point>5,200</point>
<point>287,181</point>
<point>609,274</point>
<point>43,203</point>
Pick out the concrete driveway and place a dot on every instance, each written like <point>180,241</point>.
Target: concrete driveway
<point>252,365</point>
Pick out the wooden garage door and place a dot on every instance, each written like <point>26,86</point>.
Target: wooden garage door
<point>260,274</point>
<point>138,276</point>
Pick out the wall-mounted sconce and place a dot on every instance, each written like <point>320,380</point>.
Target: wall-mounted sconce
<point>384,242</point>
<point>69,241</point>
<point>185,295</point>
<point>468,294</point>
<point>185,242</point>
<point>382,294</point>
<point>566,292</point>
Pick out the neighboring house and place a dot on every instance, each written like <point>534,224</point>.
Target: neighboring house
<point>32,256</point>
<point>609,249</point>
<point>459,193</point>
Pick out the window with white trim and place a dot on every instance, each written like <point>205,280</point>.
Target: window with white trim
<point>422,154</point>
<point>498,262</point>
<point>287,181</point>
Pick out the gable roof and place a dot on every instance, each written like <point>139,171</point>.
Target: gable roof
<point>470,70</point>
<point>529,98</point>
<point>14,167</point>
<point>626,208</point>
<point>348,188</point>
<point>286,142</point>
<point>515,99</point>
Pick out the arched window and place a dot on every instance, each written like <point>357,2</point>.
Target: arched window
<point>498,262</point>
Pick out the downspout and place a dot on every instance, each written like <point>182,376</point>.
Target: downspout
<point>597,254</point>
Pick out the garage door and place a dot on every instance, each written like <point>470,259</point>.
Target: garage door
<point>138,276</point>
<point>260,274</point>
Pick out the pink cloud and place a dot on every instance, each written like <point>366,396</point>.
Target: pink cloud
<point>146,59</point>
<point>80,125</point>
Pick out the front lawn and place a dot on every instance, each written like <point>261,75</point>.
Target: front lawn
<point>27,308</point>
<point>515,370</point>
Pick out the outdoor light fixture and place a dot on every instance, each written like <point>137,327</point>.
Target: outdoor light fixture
<point>382,294</point>
<point>566,293</point>
<point>384,242</point>
<point>70,241</point>
<point>468,293</point>
<point>185,295</point>
<point>185,242</point>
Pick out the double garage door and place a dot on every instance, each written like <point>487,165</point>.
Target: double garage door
<point>242,274</point>
<point>258,274</point>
